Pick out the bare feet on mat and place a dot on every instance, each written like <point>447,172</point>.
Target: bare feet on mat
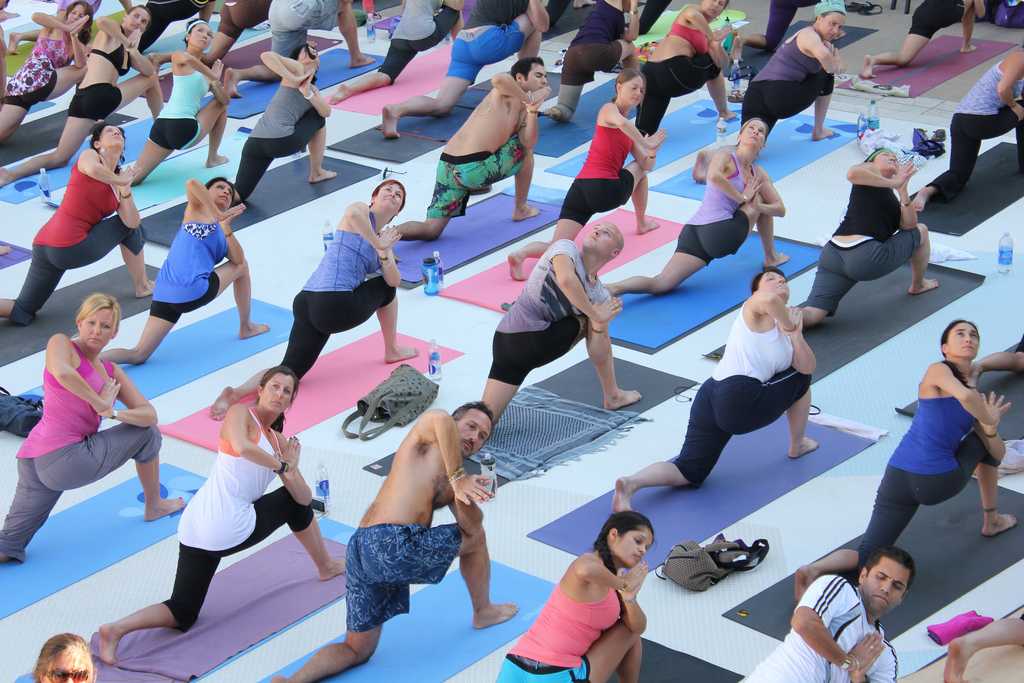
<point>494,614</point>
<point>823,134</point>
<point>216,160</point>
<point>4,250</point>
<point>400,353</point>
<point>776,260</point>
<point>220,407</point>
<point>621,399</point>
<point>333,568</point>
<point>960,652</point>
<point>728,114</point>
<point>700,167</point>
<point>321,175</point>
<point>867,72</point>
<point>145,290</point>
<point>623,498</point>
<point>647,225</point>
<point>389,122</point>
<point>339,95</point>
<point>253,330</point>
<point>996,524</point>
<point>806,445</point>
<point>108,644</point>
<point>920,199</point>
<point>357,60</point>
<point>523,212</point>
<point>231,83</point>
<point>927,285</point>
<point>968,48</point>
<point>515,267</point>
<point>162,508</point>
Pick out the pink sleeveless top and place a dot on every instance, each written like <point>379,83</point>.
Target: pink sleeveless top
<point>565,629</point>
<point>67,419</point>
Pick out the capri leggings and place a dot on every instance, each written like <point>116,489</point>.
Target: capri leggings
<point>771,101</point>
<point>901,492</point>
<point>258,153</point>
<point>164,13</point>
<point>318,315</point>
<point>966,131</point>
<point>672,77</point>
<point>734,405</point>
<point>196,567</point>
<point>516,354</point>
<point>402,51</point>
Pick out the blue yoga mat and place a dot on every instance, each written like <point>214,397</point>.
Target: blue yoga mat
<point>789,149</point>
<point>651,322</point>
<point>555,139</point>
<point>89,537</point>
<point>753,471</point>
<point>539,193</point>
<point>22,190</point>
<point>436,640</point>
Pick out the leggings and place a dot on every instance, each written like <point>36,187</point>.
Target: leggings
<point>318,315</point>
<point>771,101</point>
<point>49,263</point>
<point>258,153</point>
<point>966,132</point>
<point>164,13</point>
<point>780,16</point>
<point>516,354</point>
<point>672,77</point>
<point>901,492</point>
<point>196,567</point>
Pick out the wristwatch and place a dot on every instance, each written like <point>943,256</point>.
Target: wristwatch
<point>113,413</point>
<point>282,469</point>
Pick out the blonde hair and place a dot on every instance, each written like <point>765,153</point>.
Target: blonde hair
<point>58,645</point>
<point>96,302</point>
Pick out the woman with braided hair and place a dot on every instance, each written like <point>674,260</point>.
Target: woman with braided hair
<point>591,625</point>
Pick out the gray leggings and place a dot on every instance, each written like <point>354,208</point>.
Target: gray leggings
<point>41,480</point>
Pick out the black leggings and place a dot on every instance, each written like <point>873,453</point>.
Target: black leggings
<point>258,153</point>
<point>516,354</point>
<point>164,13</point>
<point>196,567</point>
<point>652,10</point>
<point>771,101</point>
<point>901,492</point>
<point>673,77</point>
<point>966,132</point>
<point>318,315</point>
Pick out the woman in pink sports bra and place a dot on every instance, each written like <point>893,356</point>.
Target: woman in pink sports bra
<point>591,625</point>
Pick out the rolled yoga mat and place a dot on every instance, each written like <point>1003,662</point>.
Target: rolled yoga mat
<point>41,135</point>
<point>660,664</point>
<point>15,256</point>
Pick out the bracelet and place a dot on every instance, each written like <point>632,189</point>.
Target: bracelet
<point>456,475</point>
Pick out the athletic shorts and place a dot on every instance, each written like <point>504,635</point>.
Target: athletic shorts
<point>172,312</point>
<point>521,670</point>
<point>402,51</point>
<point>95,102</point>
<point>583,61</point>
<point>934,15</point>
<point>514,355</point>
<point>489,47</point>
<point>714,240</point>
<point>457,176</point>
<point>587,196</point>
<point>384,560</point>
<point>174,133</point>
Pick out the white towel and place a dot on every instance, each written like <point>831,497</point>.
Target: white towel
<point>848,426</point>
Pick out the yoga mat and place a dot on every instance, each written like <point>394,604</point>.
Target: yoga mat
<point>789,149</point>
<point>441,128</point>
<point>754,470</point>
<point>571,20</point>
<point>939,62</point>
<point>555,139</point>
<point>97,533</point>
<point>651,322</point>
<point>997,183</point>
<point>857,328</point>
<point>249,603</point>
<point>937,535</point>
<point>41,135</point>
<point>282,189</point>
<point>58,314</point>
<point>757,58</point>
<point>362,365</point>
<point>372,145</point>
<point>436,639</point>
<point>16,255</point>
<point>660,664</point>
<point>422,76</point>
<point>993,665</point>
<point>486,228</point>
<point>27,188</point>
<point>493,287</point>
<point>167,181</point>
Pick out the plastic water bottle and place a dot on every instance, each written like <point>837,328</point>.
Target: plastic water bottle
<point>434,362</point>
<point>735,77</point>
<point>862,125</point>
<point>721,131</point>
<point>431,285</point>
<point>489,469</point>
<point>44,188</point>
<point>1005,253</point>
<point>873,122</point>
<point>371,30</point>
<point>440,270</point>
<point>328,234</point>
<point>323,488</point>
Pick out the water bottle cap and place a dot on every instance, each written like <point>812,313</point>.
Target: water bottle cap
<point>429,261</point>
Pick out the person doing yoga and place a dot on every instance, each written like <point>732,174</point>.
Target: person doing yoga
<point>62,14</point>
<point>780,15</point>
<point>424,24</point>
<point>739,196</point>
<point>590,627</point>
<point>77,234</point>
<point>879,234</point>
<point>496,29</point>
<point>764,373</point>
<point>66,450</point>
<point>293,120</point>
<point>604,183</point>
<point>235,17</point>
<point>955,433</point>
<point>993,107</point>
<point>1008,631</point>
<point>113,52</point>
<point>184,122</point>
<point>166,12</point>
<point>290,21</point>
<point>801,73</point>
<point>232,512</point>
<point>506,122</point>
<point>561,303</point>
<point>395,544</point>
<point>190,277</point>
<point>356,278</point>
<point>601,44</point>
<point>929,18</point>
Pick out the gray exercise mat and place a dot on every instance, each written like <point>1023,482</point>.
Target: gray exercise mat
<point>372,145</point>
<point>876,311</point>
<point>951,555</point>
<point>661,664</point>
<point>41,135</point>
<point>281,189</point>
<point>58,315</point>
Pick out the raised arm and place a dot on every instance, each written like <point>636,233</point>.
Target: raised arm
<point>1013,71</point>
<point>357,216</point>
<point>56,22</point>
<point>611,117</point>
<point>211,74</point>
<point>569,282</point>
<point>790,322</point>
<point>538,16</point>
<point>236,430</point>
<point>768,198</point>
<point>138,410</point>
<point>78,52</point>
<point>290,70</point>
<point>811,44</point>
<point>436,430</point>
<point>62,362</point>
<point>940,377</point>
<point>312,93</point>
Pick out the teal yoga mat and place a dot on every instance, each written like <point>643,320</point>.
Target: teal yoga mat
<point>167,181</point>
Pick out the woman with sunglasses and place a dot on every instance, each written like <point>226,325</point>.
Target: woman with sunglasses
<point>64,658</point>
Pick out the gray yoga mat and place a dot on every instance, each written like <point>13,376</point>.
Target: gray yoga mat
<point>571,20</point>
<point>665,665</point>
<point>41,135</point>
<point>756,58</point>
<point>58,315</point>
<point>281,189</point>
<point>951,555</point>
<point>874,312</point>
<point>372,145</point>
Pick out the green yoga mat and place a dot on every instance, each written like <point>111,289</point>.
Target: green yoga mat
<point>664,23</point>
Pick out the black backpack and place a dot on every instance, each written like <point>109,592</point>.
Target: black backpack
<point>19,415</point>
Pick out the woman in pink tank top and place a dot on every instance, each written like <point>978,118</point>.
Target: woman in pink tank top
<point>67,450</point>
<point>591,625</point>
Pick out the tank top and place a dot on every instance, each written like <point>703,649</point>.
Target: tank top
<point>789,64</point>
<point>929,446</point>
<point>67,419</point>
<point>565,629</point>
<point>695,38</point>
<point>760,355</point>
<point>48,55</point>
<point>86,202</point>
<point>185,274</point>
<point>608,152</point>
<point>221,514</point>
<point>983,99</point>
<point>873,212</point>
<point>186,96</point>
<point>349,259</point>
<point>285,109</point>
<point>603,25</point>
<point>717,205</point>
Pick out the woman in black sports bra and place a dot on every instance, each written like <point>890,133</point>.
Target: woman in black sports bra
<point>114,52</point>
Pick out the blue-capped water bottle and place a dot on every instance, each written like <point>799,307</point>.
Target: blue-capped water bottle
<point>873,121</point>
<point>431,281</point>
<point>323,488</point>
<point>1005,253</point>
<point>434,362</point>
<point>327,234</point>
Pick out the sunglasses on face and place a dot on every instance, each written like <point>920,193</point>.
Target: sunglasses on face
<point>78,676</point>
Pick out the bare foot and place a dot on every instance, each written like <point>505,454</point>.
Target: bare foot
<point>623,498</point>
<point>4,250</point>
<point>557,113</point>
<point>777,260</point>
<point>6,177</point>
<point>108,644</point>
<point>823,134</point>
<point>927,284</point>
<point>997,524</point>
<point>12,45</point>
<point>320,176</point>
<point>968,48</point>
<point>356,60</point>
<point>920,199</point>
<point>621,399</point>
<point>333,568</point>
<point>253,330</point>
<point>867,72</point>
<point>803,578</point>
<point>807,445</point>
<point>728,114</point>
<point>515,266</point>
<point>340,95</point>
<point>163,507</point>
<point>145,290</point>
<point>231,83</point>
<point>400,353</point>
<point>215,160</point>
<point>494,614</point>
<point>389,122</point>
<point>960,652</point>
<point>647,225</point>
<point>523,212</point>
<point>220,407</point>
<point>700,167</point>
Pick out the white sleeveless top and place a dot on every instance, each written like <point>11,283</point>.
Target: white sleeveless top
<point>221,515</point>
<point>760,355</point>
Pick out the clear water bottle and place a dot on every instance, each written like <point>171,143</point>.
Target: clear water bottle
<point>44,187</point>
<point>735,78</point>
<point>721,131</point>
<point>434,362</point>
<point>328,234</point>
<point>862,125</point>
<point>323,488</point>
<point>489,469</point>
<point>873,121</point>
<point>1005,253</point>
<point>440,269</point>
<point>371,30</point>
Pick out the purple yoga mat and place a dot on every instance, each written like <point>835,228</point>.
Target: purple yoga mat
<point>753,471</point>
<point>486,227</point>
<point>248,602</point>
<point>17,255</point>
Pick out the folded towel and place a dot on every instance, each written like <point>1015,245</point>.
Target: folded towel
<point>960,625</point>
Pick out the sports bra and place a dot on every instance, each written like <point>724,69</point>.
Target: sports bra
<point>117,58</point>
<point>693,36</point>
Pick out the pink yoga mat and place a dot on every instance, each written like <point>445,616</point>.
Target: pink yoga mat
<point>937,63</point>
<point>422,76</point>
<point>493,287</point>
<point>335,384</point>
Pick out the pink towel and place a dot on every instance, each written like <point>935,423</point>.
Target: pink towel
<point>960,625</point>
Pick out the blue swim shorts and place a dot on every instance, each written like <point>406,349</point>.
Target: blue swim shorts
<point>517,670</point>
<point>489,47</point>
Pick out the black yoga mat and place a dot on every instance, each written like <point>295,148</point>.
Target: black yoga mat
<point>664,665</point>
<point>997,182</point>
<point>41,135</point>
<point>281,189</point>
<point>571,20</point>
<point>58,314</point>
<point>757,58</point>
<point>876,311</point>
<point>951,555</point>
<point>372,145</point>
